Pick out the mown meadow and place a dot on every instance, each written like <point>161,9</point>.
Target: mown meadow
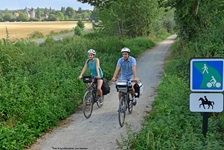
<point>39,83</point>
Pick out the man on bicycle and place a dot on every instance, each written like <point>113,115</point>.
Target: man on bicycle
<point>127,65</point>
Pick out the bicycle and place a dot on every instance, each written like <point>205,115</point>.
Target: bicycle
<point>90,97</point>
<point>125,101</point>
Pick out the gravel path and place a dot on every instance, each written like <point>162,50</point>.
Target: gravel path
<point>101,130</point>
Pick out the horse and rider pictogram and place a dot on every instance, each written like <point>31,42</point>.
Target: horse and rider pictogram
<point>205,101</point>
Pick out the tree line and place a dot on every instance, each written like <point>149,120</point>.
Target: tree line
<point>132,18</point>
<point>198,22</point>
<point>46,14</point>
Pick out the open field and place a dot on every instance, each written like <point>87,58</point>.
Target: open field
<point>23,29</point>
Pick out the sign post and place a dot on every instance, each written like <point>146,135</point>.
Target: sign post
<point>206,75</point>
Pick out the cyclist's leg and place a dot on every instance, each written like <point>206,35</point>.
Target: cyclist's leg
<point>119,96</point>
<point>132,89</point>
<point>99,85</point>
<point>134,101</point>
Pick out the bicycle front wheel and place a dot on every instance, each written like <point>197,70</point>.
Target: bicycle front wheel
<point>121,111</point>
<point>87,104</point>
<point>99,101</point>
<point>130,105</point>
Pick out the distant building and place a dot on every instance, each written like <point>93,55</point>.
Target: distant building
<point>32,13</point>
<point>29,12</point>
<point>16,15</point>
<point>44,16</point>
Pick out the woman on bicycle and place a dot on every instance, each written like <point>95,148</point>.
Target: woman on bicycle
<point>94,66</point>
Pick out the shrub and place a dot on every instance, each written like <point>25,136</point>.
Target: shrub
<point>77,31</point>
<point>35,35</point>
<point>81,25</point>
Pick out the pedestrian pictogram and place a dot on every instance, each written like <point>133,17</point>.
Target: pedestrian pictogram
<point>206,102</point>
<point>207,75</point>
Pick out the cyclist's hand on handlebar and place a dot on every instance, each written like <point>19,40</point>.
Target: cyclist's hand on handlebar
<point>113,79</point>
<point>134,80</point>
<point>98,77</point>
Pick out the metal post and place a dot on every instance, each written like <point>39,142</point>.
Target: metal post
<point>205,123</point>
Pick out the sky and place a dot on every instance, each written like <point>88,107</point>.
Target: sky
<point>54,4</point>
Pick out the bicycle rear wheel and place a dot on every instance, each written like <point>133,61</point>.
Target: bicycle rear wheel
<point>121,111</point>
<point>87,104</point>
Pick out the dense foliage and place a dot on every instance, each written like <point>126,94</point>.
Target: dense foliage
<point>132,18</point>
<point>199,24</point>
<point>39,83</point>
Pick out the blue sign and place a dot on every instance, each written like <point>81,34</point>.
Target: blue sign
<point>207,75</point>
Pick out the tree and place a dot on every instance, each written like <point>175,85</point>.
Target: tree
<point>8,16</point>
<point>79,10</point>
<point>94,15</point>
<point>63,10</point>
<point>22,17</point>
<point>99,3</point>
<point>38,13</point>
<point>77,31</point>
<point>45,10</point>
<point>131,18</point>
<point>60,15</point>
<point>85,15</point>
<point>81,25</point>
<point>52,17</point>
<point>70,12</point>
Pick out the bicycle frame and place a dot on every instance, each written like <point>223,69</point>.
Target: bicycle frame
<point>92,89</point>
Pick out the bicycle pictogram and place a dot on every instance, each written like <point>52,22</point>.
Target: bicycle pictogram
<point>213,83</point>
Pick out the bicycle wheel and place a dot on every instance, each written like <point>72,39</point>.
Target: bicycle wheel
<point>130,105</point>
<point>121,111</point>
<point>99,101</point>
<point>87,104</point>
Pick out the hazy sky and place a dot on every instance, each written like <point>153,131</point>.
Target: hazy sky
<point>54,4</point>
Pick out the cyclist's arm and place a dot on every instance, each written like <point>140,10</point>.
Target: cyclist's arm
<point>83,70</point>
<point>97,67</point>
<point>116,72</point>
<point>134,72</point>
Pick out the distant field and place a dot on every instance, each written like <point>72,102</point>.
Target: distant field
<point>23,29</point>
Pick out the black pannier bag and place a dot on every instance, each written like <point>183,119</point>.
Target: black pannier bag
<point>138,88</point>
<point>105,87</point>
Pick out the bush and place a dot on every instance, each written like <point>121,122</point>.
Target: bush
<point>35,35</point>
<point>81,25</point>
<point>77,31</point>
